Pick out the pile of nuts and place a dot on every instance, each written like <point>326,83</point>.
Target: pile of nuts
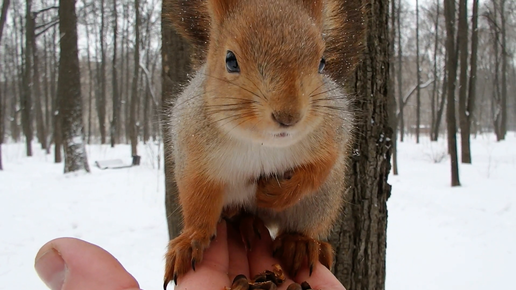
<point>268,280</point>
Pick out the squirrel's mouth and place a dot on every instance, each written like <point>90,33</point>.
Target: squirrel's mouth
<point>281,135</point>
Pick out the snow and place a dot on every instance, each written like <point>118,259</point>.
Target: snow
<point>438,237</point>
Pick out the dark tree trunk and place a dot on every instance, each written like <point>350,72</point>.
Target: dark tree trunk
<point>101,99</point>
<point>3,102</point>
<point>26,99</point>
<point>418,77</point>
<point>176,65</point>
<point>470,107</point>
<point>451,68</point>
<point>503,101</point>
<point>393,115</point>
<point>401,122</point>
<point>434,127</point>
<point>359,239</point>
<point>134,91</point>
<point>462,37</point>
<point>58,135</point>
<point>115,123</point>
<point>36,84</point>
<point>69,90</point>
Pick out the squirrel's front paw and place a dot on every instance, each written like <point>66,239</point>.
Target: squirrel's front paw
<point>184,252</point>
<point>277,191</point>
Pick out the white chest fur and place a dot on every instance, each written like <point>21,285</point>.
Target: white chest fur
<point>239,164</point>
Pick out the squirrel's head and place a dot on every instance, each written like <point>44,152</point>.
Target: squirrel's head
<point>264,68</point>
<point>267,61</point>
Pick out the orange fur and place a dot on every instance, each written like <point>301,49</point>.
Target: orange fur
<point>197,194</point>
<point>279,194</point>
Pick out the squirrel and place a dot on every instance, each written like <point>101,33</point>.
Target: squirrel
<point>262,129</point>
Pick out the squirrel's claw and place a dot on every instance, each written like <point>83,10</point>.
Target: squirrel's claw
<point>293,248</point>
<point>184,252</point>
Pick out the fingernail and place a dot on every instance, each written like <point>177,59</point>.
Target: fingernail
<point>51,269</point>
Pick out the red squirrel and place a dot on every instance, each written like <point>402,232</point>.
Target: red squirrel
<point>262,128</point>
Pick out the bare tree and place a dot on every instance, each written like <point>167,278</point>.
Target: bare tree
<point>401,120</point>
<point>115,123</point>
<point>3,17</point>
<point>418,74</point>
<point>26,97</point>
<point>451,68</point>
<point>462,40</point>
<point>470,106</point>
<point>134,126</point>
<point>503,125</point>
<point>69,90</point>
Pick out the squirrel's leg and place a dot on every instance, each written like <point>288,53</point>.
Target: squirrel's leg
<point>201,202</point>
<point>303,226</point>
<point>281,191</point>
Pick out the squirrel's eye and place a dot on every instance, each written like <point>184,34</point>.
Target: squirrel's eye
<point>231,63</point>
<point>322,64</point>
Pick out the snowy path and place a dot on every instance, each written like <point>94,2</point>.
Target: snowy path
<point>438,237</point>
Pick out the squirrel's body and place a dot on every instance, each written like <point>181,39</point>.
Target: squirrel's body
<point>262,129</point>
<point>239,163</point>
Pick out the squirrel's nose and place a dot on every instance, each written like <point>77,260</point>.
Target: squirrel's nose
<point>286,119</point>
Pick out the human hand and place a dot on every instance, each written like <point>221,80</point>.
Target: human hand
<point>67,264</point>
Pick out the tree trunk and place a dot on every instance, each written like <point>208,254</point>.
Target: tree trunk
<point>503,101</point>
<point>176,66</point>
<point>462,38</point>
<point>418,76</point>
<point>433,136</point>
<point>359,239</point>
<point>393,114</point>
<point>101,100</point>
<point>58,135</point>
<point>470,106</point>
<point>134,91</point>
<point>69,90</point>
<point>401,122</point>
<point>36,84</point>
<point>451,68</point>
<point>3,103</point>
<point>115,123</point>
<point>26,100</point>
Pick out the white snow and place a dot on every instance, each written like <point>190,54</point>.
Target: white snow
<point>438,237</point>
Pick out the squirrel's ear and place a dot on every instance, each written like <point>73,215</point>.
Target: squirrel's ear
<point>219,9</point>
<point>315,9</point>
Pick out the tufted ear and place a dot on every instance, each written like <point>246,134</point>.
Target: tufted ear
<point>344,27</point>
<point>219,9</point>
<point>315,9</point>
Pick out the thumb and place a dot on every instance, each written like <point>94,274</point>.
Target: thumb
<point>68,263</point>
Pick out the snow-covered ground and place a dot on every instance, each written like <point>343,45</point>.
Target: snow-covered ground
<point>438,237</point>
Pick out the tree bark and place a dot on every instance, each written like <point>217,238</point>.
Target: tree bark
<point>115,123</point>
<point>393,114</point>
<point>176,66</point>
<point>470,106</point>
<point>359,239</point>
<point>462,37</point>
<point>69,90</point>
<point>26,99</point>
<point>503,125</point>
<point>418,76</point>
<point>3,103</point>
<point>451,68</point>
<point>401,122</point>
<point>134,91</point>
<point>101,99</point>
<point>433,135</point>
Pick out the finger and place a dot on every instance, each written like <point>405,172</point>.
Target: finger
<point>212,272</point>
<point>260,257</point>
<point>238,263</point>
<point>321,278</point>
<point>68,263</point>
